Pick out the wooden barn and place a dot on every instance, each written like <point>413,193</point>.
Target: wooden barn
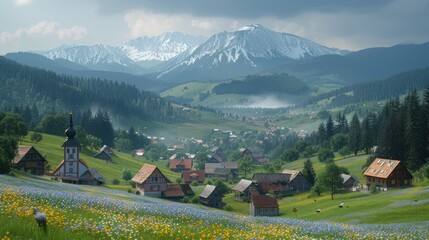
<point>105,153</point>
<point>255,154</point>
<point>29,160</point>
<point>386,173</point>
<point>193,176</point>
<point>263,205</point>
<point>297,181</point>
<point>272,182</point>
<point>211,197</point>
<point>180,165</point>
<point>243,190</point>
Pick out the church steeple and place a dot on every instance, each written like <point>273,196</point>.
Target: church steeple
<point>70,132</point>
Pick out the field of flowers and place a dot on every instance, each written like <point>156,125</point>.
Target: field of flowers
<point>83,212</point>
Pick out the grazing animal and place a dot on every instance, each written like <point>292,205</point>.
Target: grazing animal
<point>40,218</point>
<point>319,210</point>
<point>341,204</point>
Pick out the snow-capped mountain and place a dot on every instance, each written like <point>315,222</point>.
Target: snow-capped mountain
<point>249,49</point>
<point>99,57</point>
<point>159,48</point>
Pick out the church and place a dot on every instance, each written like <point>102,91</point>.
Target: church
<point>72,168</point>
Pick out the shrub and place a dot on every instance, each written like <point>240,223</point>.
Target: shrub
<point>228,208</point>
<point>194,183</point>
<point>195,199</point>
<point>373,189</point>
<point>185,199</point>
<point>115,181</point>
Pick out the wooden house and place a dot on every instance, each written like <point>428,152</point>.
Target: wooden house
<point>180,165</point>
<point>263,205</point>
<point>350,182</point>
<point>211,197</point>
<point>150,181</point>
<point>105,153</point>
<point>224,171</point>
<point>272,182</point>
<point>217,155</point>
<point>243,190</point>
<point>297,181</point>
<point>255,154</point>
<point>193,176</point>
<point>176,192</point>
<point>29,160</point>
<point>386,173</point>
<point>92,177</point>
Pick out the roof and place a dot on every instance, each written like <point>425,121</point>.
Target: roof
<point>96,175</point>
<point>144,173</point>
<point>242,185</point>
<point>255,151</point>
<point>210,167</point>
<point>62,164</point>
<point>381,168</point>
<point>173,190</point>
<point>347,177</point>
<point>293,173</point>
<point>208,190</point>
<point>187,190</point>
<point>187,163</point>
<point>271,178</point>
<point>186,175</point>
<point>264,201</point>
<point>22,151</point>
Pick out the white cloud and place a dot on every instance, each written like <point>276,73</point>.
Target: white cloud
<point>44,28</point>
<point>22,2</point>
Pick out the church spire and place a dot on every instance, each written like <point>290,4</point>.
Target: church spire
<point>70,132</point>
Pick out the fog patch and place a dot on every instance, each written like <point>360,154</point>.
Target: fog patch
<point>266,101</point>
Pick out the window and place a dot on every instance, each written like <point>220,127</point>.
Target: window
<point>70,156</point>
<point>68,150</point>
<point>70,170</point>
<point>393,182</point>
<point>74,150</point>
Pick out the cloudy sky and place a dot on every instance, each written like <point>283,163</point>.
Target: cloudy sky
<point>346,24</point>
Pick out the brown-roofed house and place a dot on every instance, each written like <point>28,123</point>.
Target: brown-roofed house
<point>177,191</point>
<point>272,182</point>
<point>211,197</point>
<point>350,182</point>
<point>150,181</point>
<point>29,160</point>
<point>263,205</point>
<point>255,154</point>
<point>193,176</point>
<point>387,173</point>
<point>179,165</point>
<point>105,153</point>
<point>224,170</point>
<point>243,189</point>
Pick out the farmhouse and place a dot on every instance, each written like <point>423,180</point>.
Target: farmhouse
<point>255,154</point>
<point>193,176</point>
<point>225,170</point>
<point>211,197</point>
<point>217,155</point>
<point>385,173</point>
<point>272,182</point>
<point>177,191</point>
<point>350,182</point>
<point>105,153</point>
<point>29,160</point>
<point>243,190</point>
<point>72,168</point>
<point>297,181</point>
<point>179,165</point>
<point>150,181</point>
<point>263,205</point>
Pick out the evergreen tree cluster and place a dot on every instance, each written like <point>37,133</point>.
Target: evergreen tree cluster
<point>12,129</point>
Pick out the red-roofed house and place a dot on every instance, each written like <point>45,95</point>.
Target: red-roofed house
<point>263,205</point>
<point>150,181</point>
<point>180,165</point>
<point>387,173</point>
<point>193,176</point>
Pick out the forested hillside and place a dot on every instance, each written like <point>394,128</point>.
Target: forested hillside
<point>263,84</point>
<point>48,92</point>
<point>376,90</point>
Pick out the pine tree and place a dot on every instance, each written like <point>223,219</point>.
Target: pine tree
<point>355,135</point>
<point>329,128</point>
<point>309,172</point>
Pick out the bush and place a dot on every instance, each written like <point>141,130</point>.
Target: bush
<point>137,192</point>
<point>132,184</point>
<point>228,208</point>
<point>194,183</point>
<point>185,199</point>
<point>116,181</point>
<point>373,189</point>
<point>195,199</point>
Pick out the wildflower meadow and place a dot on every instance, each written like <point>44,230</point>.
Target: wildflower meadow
<point>85,212</point>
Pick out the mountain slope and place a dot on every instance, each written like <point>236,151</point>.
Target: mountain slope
<point>248,50</point>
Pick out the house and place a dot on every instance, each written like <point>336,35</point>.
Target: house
<point>243,189</point>
<point>105,153</point>
<point>263,205</point>
<point>225,170</point>
<point>139,152</point>
<point>211,197</point>
<point>179,165</point>
<point>350,182</point>
<point>29,160</point>
<point>193,176</point>
<point>385,173</point>
<point>255,154</point>
<point>297,181</point>
<point>272,182</point>
<point>150,181</point>
<point>177,191</point>
<point>217,155</point>
<point>72,169</point>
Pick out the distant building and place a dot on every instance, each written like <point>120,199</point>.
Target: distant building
<point>350,182</point>
<point>243,190</point>
<point>385,173</point>
<point>211,197</point>
<point>105,153</point>
<point>150,181</point>
<point>176,192</point>
<point>272,182</point>
<point>193,176</point>
<point>29,160</point>
<point>180,165</point>
<point>217,155</point>
<point>297,181</point>
<point>263,205</point>
<point>255,154</point>
<point>225,170</point>
<point>72,169</point>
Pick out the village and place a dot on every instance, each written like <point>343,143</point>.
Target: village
<point>261,190</point>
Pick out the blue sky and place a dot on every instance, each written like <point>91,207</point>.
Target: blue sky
<point>46,24</point>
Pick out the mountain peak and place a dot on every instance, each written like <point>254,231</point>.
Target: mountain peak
<point>250,27</point>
